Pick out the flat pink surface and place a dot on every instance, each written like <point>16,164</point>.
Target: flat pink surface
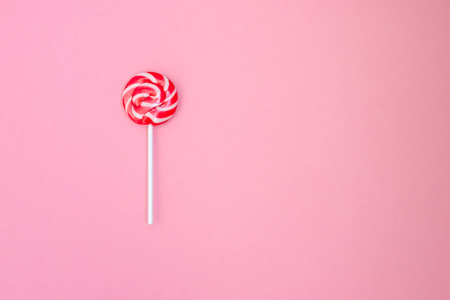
<point>309,157</point>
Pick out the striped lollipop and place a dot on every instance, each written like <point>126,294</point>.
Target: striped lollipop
<point>151,99</point>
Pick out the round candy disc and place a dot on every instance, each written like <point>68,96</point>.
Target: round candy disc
<point>150,98</point>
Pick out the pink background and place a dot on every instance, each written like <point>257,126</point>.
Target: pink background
<point>309,157</point>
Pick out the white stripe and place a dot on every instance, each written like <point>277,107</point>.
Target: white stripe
<point>157,120</point>
<point>130,87</point>
<point>150,105</point>
<point>149,76</point>
<point>137,115</point>
<point>151,85</point>
<point>167,108</point>
<point>171,95</point>
<point>143,95</point>
<point>128,103</point>
<point>166,83</point>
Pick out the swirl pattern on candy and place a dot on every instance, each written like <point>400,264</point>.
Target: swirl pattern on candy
<point>150,98</point>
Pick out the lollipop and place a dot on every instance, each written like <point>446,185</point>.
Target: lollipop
<point>151,99</point>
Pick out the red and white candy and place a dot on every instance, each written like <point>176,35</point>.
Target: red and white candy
<point>150,98</point>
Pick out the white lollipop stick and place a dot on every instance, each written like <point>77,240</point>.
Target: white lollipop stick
<point>150,174</point>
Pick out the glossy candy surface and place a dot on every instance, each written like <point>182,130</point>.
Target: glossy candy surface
<point>150,98</point>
